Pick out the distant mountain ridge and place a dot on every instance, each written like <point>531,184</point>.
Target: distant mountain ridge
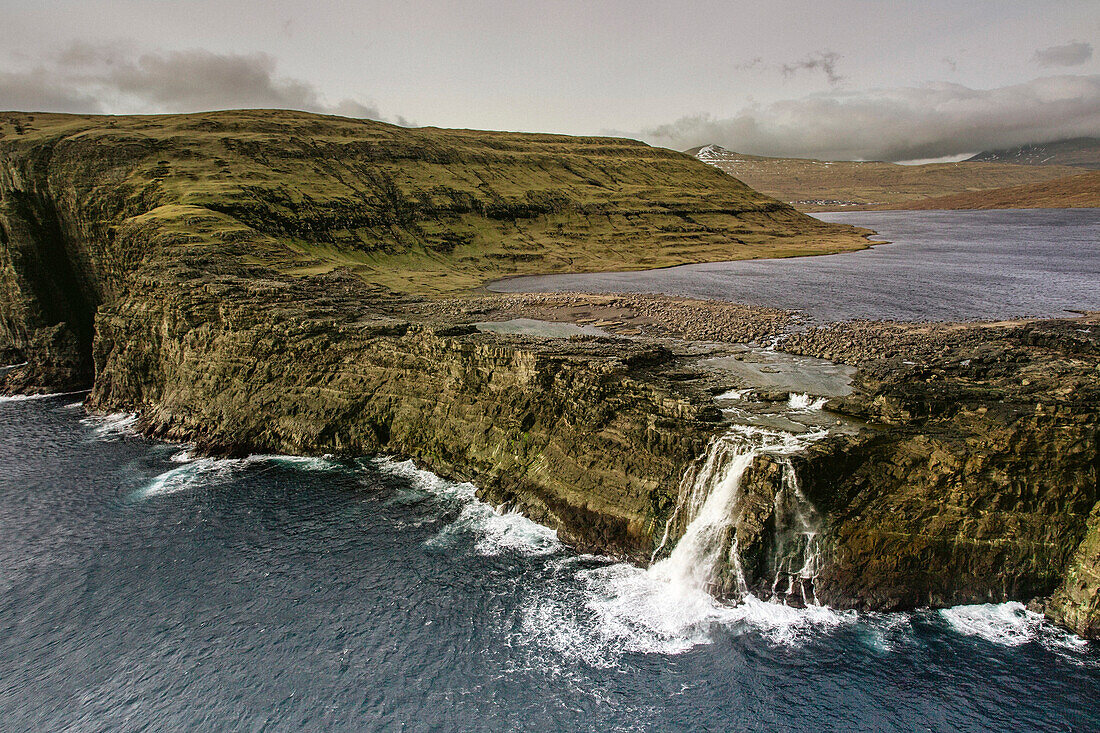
<point>822,185</point>
<point>1080,152</point>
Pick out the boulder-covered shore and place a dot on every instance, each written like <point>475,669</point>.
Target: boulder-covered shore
<point>241,281</point>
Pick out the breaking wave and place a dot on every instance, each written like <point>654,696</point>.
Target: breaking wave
<point>113,426</point>
<point>195,472</point>
<point>493,532</point>
<point>596,615</point>
<point>26,397</point>
<point>1009,624</point>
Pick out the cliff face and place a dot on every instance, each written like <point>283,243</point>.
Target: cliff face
<point>586,436</point>
<point>245,280</point>
<point>979,483</point>
<point>84,199</point>
<point>63,201</point>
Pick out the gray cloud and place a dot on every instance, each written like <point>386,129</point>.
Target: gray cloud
<point>116,78</point>
<point>908,123</point>
<point>823,61</point>
<point>1071,54</point>
<point>39,90</point>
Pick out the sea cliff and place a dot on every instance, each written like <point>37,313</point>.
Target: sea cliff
<point>258,281</point>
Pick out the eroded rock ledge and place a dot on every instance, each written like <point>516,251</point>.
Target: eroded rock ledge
<point>974,477</point>
<point>587,435</point>
<point>973,481</point>
<point>982,484</point>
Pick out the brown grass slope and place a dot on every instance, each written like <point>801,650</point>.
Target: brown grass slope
<point>816,185</point>
<point>1080,152</point>
<point>1080,191</point>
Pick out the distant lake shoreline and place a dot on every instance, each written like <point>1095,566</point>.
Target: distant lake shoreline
<point>933,265</point>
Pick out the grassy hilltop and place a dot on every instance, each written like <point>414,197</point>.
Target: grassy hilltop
<point>426,210</point>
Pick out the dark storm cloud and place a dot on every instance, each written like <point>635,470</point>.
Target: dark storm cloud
<point>823,61</point>
<point>116,78</point>
<point>1071,54</point>
<point>931,121</point>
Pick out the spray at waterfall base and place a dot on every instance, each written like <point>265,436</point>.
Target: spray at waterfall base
<point>745,526</point>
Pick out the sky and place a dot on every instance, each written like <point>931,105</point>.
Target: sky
<point>831,79</point>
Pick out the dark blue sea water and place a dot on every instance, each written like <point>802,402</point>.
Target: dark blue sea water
<point>141,589</point>
<point>939,265</point>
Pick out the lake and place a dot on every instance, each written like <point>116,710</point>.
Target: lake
<point>939,265</point>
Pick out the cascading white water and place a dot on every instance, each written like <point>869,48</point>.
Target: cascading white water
<point>805,402</point>
<point>797,553</point>
<point>708,505</point>
<point>711,503</point>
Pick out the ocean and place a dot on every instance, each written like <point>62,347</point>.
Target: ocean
<point>143,588</point>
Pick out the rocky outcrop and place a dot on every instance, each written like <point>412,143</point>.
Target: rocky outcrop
<point>979,481</point>
<point>242,280</point>
<point>586,435</point>
<point>1076,602</point>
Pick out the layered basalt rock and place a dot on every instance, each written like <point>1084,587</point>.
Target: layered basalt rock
<point>978,482</point>
<point>586,435</point>
<point>237,279</point>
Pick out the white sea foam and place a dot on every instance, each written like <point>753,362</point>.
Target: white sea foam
<point>26,397</point>
<point>305,463</point>
<point>625,609</point>
<point>1001,623</point>
<point>195,472</point>
<point>498,533</point>
<point>1009,624</point>
<point>803,402</point>
<point>112,426</point>
<point>494,532</point>
<point>424,481</point>
<point>734,394</point>
<point>184,456</point>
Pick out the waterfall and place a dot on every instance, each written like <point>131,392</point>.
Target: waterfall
<point>710,505</point>
<point>805,402</point>
<point>796,555</point>
<point>707,556</point>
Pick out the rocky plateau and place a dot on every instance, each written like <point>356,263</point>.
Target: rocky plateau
<point>284,282</point>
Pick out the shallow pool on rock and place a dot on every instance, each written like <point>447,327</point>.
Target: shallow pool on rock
<point>535,327</point>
